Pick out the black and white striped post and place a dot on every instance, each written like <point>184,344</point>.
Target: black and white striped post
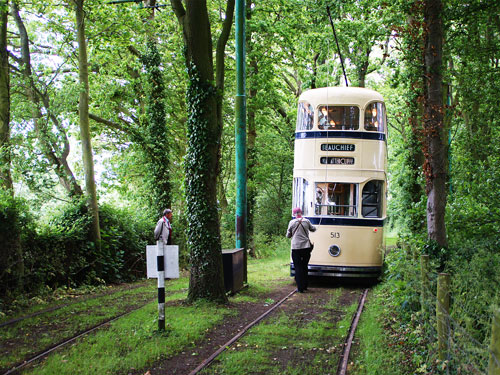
<point>160,265</point>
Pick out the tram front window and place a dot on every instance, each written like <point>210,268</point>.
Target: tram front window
<point>305,116</point>
<point>338,117</point>
<point>375,117</point>
<point>335,199</point>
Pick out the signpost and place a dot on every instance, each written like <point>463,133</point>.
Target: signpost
<point>162,262</point>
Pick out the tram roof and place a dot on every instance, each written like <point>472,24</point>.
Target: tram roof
<point>340,95</point>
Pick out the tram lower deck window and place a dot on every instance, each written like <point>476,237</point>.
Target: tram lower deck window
<point>335,199</point>
<point>371,204</point>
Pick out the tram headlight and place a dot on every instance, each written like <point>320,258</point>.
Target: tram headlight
<point>334,250</point>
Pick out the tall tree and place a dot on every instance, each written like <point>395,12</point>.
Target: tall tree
<point>42,114</point>
<point>411,48</point>
<point>11,256</point>
<point>435,165</point>
<point>203,154</point>
<point>5,153</point>
<point>83,109</point>
<point>156,134</point>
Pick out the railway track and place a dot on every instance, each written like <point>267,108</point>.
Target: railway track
<point>57,307</point>
<point>204,364</point>
<point>344,358</point>
<point>39,354</point>
<point>19,366</point>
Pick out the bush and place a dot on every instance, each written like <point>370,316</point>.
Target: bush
<point>268,246</point>
<point>60,253</point>
<point>15,221</point>
<point>475,285</point>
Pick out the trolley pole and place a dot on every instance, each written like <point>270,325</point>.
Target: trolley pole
<point>240,135</point>
<point>160,266</point>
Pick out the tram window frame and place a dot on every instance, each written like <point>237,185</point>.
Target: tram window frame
<point>339,121</point>
<point>375,121</point>
<point>337,192</point>
<point>371,201</point>
<point>305,116</point>
<point>301,192</point>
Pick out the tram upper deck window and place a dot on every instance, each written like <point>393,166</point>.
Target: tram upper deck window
<point>305,116</point>
<point>338,117</point>
<point>371,205</point>
<point>335,199</point>
<point>375,117</point>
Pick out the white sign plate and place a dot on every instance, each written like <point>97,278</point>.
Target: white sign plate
<point>171,262</point>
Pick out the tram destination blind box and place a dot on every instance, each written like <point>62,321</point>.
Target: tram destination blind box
<point>171,261</point>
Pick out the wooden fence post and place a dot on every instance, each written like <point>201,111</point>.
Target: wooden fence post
<point>494,364</point>
<point>442,314</point>
<point>424,276</point>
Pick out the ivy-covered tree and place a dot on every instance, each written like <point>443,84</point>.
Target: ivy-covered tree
<point>203,154</point>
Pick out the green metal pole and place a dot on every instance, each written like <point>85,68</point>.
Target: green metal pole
<point>240,135</point>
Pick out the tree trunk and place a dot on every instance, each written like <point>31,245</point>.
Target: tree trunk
<point>436,153</point>
<point>11,255</point>
<point>83,109</point>
<point>202,160</point>
<point>5,153</point>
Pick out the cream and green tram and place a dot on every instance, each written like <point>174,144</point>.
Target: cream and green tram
<point>340,179</point>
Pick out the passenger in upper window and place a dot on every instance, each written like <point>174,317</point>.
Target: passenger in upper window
<point>323,118</point>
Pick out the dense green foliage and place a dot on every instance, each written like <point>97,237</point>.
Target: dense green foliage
<point>59,253</point>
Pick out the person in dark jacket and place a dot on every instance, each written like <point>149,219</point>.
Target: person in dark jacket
<point>298,230</point>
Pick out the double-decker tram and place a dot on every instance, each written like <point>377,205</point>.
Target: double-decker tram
<point>340,179</point>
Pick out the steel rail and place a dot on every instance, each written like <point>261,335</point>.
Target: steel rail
<point>46,352</point>
<point>342,369</point>
<point>209,360</point>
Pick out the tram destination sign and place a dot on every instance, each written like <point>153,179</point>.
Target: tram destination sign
<point>337,147</point>
<point>337,160</point>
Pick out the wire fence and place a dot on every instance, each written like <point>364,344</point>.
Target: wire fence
<point>460,352</point>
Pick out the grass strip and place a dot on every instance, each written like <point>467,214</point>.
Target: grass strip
<point>376,354</point>
<point>43,331</point>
